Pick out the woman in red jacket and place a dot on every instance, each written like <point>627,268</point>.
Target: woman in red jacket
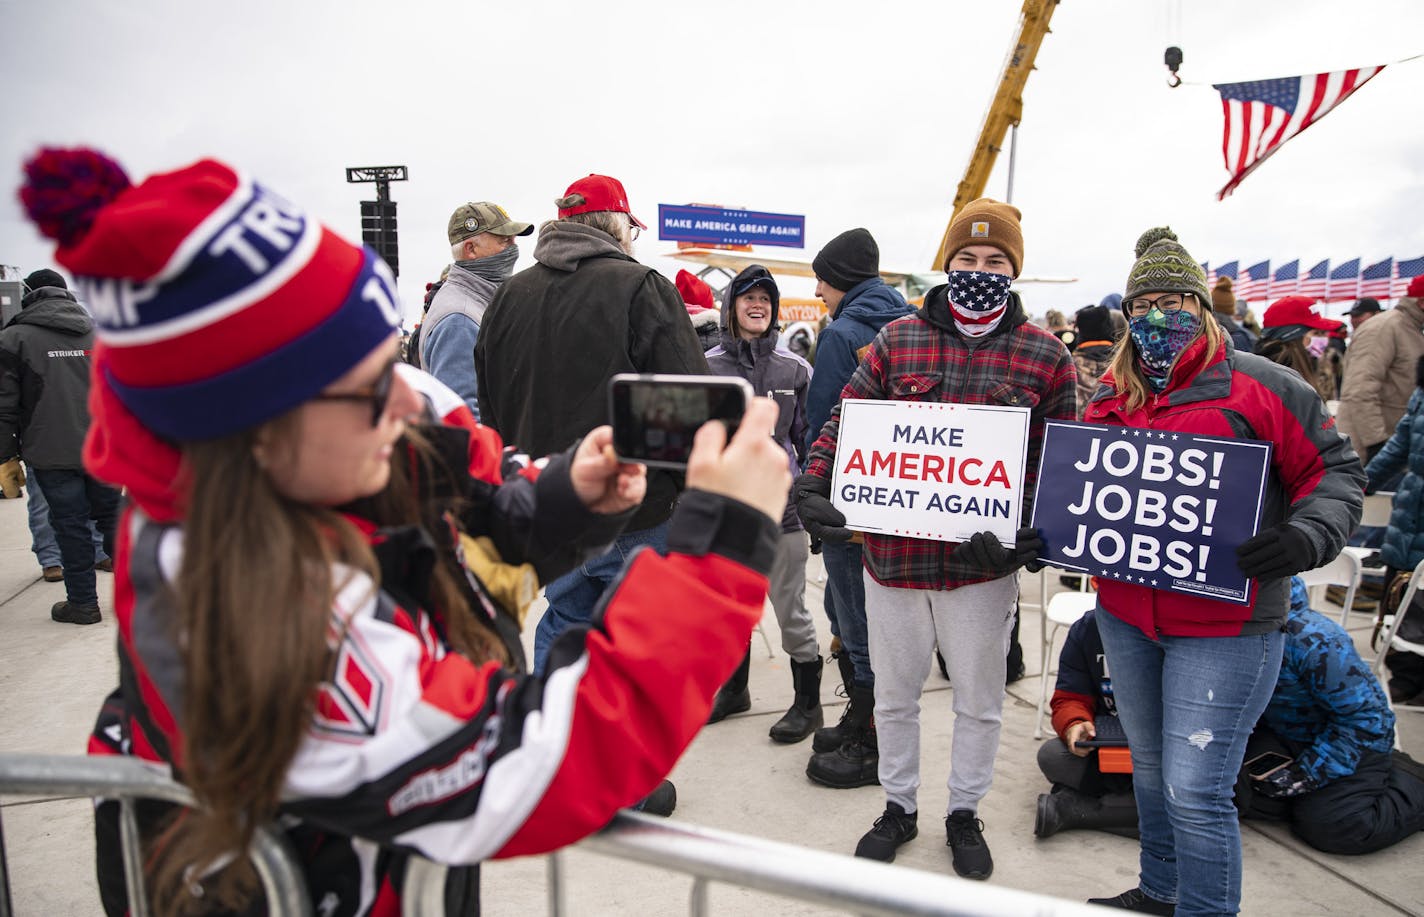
<point>323,559</point>
<point>1191,675</point>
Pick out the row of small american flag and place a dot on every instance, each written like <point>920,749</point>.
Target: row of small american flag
<point>1385,279</point>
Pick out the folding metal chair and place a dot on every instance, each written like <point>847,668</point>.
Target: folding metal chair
<point>1061,612</point>
<point>1390,640</point>
<point>1345,571</point>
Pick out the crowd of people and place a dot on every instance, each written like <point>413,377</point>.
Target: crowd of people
<point>396,530</point>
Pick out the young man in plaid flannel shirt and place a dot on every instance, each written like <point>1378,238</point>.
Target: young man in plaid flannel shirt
<point>971,343</point>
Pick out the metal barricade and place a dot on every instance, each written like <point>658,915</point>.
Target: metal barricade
<point>127,780</point>
<point>841,882</point>
<point>706,855</point>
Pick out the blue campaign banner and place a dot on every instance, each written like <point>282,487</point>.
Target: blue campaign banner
<point>716,226</point>
<point>1160,509</point>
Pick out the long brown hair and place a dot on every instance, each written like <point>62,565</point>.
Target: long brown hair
<point>1128,379</point>
<point>254,597</point>
<point>1292,354</point>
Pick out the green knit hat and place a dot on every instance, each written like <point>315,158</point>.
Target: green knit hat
<point>1164,266</point>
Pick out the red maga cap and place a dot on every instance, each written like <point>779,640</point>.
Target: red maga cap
<point>600,192</point>
<point>1295,310</point>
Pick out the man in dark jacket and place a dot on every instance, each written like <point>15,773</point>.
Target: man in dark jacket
<point>860,303</point>
<point>972,343</point>
<point>552,338</point>
<point>44,415</point>
<point>750,311</point>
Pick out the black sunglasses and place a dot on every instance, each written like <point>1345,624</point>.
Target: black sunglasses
<point>377,397</point>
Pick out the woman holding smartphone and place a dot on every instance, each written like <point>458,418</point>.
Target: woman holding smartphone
<point>313,576</point>
<point>1191,675</point>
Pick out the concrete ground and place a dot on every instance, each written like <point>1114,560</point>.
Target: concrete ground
<point>53,678</point>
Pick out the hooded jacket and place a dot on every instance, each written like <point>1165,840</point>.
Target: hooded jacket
<point>44,380</point>
<point>1379,370</point>
<point>924,357</point>
<point>772,371</point>
<point>866,308</point>
<point>412,746</point>
<point>1404,539</point>
<point>1315,484</point>
<point>556,333</point>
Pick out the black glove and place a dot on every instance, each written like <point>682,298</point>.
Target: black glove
<point>1282,550</point>
<point>984,552</point>
<point>1287,782</point>
<point>822,520</point>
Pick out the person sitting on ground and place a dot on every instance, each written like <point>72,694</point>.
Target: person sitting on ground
<point>750,311</point>
<point>1344,788</point>
<point>342,654</point>
<point>1083,795</point>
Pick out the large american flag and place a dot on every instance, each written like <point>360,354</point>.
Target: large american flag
<point>1261,115</point>
<point>1313,283</point>
<point>1344,281</point>
<point>1284,282</point>
<point>1254,281</point>
<point>1375,279</point>
<point>1405,271</point>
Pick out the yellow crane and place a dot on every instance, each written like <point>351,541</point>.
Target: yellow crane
<point>1004,112</point>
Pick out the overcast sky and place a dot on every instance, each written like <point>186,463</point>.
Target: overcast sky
<point>854,114</point>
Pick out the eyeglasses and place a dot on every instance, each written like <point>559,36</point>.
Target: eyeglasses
<point>633,230</point>
<point>377,397</point>
<point>1167,304</point>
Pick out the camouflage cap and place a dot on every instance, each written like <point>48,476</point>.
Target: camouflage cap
<point>474,218</point>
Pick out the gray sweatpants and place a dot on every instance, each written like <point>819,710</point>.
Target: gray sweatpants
<point>788,598</point>
<point>972,625</point>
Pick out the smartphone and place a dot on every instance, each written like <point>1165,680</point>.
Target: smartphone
<point>1266,764</point>
<point>656,416</point>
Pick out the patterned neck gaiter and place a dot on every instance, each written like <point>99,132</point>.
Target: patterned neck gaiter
<point>978,300</point>
<point>1160,338</point>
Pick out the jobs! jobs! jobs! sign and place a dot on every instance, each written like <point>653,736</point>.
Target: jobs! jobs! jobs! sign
<point>929,470</point>
<point>1152,507</point>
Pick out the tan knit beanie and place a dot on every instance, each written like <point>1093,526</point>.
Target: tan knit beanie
<point>1223,300</point>
<point>986,222</point>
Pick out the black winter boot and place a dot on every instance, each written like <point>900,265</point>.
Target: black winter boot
<point>829,738</point>
<point>1068,809</point>
<point>805,714</point>
<point>856,762</point>
<point>733,697</point>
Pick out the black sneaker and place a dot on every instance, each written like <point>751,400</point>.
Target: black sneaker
<point>891,830</point>
<point>965,836</point>
<point>661,801</point>
<point>65,613</point>
<point>1136,899</point>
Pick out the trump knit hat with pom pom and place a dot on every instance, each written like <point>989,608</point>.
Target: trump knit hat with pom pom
<point>1164,266</point>
<point>218,305</point>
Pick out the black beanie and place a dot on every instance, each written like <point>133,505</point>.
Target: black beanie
<point>850,258</point>
<point>44,277</point>
<point>1094,324</point>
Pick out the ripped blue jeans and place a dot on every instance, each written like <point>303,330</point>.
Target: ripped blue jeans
<point>1188,705</point>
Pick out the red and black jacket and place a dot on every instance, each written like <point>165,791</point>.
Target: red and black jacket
<point>1316,483</point>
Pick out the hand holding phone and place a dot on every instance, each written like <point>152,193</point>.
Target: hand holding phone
<point>655,417</point>
<point>602,482</point>
<point>752,468</point>
<point>1267,763</point>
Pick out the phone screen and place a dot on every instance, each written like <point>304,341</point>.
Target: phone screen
<point>655,418</point>
<point>1265,764</point>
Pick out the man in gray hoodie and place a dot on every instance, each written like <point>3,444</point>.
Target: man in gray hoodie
<point>553,337</point>
<point>44,416</point>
